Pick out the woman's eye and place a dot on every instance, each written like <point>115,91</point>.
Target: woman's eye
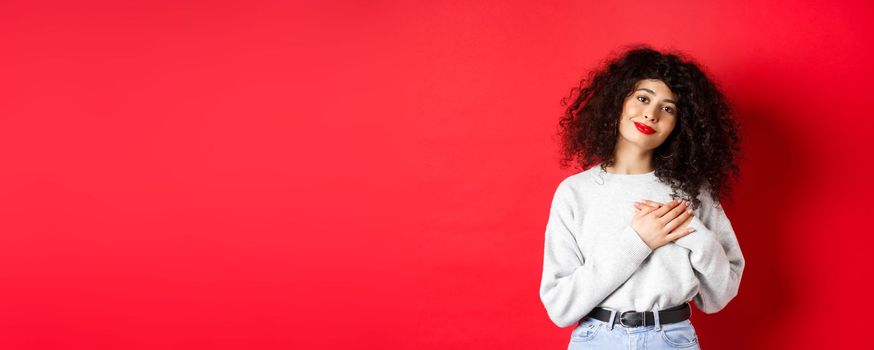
<point>642,98</point>
<point>669,110</point>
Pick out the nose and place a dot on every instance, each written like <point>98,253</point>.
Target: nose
<point>651,117</point>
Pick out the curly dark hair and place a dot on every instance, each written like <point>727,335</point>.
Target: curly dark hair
<point>698,155</point>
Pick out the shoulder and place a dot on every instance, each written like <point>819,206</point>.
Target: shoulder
<point>707,201</point>
<point>579,182</point>
<point>574,190</point>
<point>711,211</point>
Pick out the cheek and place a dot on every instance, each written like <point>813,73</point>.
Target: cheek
<point>629,110</point>
<point>668,130</point>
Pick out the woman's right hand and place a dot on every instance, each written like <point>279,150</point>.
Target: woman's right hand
<point>655,225</point>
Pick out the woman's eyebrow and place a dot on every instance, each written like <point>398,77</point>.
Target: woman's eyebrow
<point>653,92</point>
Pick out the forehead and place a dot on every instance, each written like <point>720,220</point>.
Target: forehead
<point>657,86</point>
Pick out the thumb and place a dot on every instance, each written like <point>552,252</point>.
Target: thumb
<point>637,209</point>
<point>641,209</point>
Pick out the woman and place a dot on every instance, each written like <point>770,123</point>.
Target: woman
<point>633,239</point>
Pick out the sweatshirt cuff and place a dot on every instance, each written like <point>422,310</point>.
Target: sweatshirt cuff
<point>629,242</point>
<point>703,239</point>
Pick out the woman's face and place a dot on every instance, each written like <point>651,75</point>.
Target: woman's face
<point>649,114</point>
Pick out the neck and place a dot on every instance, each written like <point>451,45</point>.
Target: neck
<point>629,159</point>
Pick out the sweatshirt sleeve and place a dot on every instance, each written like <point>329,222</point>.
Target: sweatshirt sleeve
<point>716,258</point>
<point>573,284</point>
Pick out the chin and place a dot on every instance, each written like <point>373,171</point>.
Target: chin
<point>641,142</point>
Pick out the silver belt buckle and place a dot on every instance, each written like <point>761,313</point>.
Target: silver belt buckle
<point>620,319</point>
<point>642,315</point>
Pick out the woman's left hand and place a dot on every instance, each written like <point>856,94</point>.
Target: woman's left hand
<point>645,202</point>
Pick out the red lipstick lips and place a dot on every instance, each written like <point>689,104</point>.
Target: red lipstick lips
<point>644,129</point>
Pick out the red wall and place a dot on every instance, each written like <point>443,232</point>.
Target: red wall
<point>254,175</point>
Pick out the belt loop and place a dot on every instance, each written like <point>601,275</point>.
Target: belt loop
<point>658,324</point>
<point>612,318</point>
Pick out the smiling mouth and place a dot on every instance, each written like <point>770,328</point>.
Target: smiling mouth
<point>644,129</point>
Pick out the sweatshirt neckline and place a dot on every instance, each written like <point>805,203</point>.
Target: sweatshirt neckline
<point>608,174</point>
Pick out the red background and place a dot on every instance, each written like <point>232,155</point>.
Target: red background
<point>252,175</point>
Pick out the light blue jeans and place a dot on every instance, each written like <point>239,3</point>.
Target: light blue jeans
<point>596,334</point>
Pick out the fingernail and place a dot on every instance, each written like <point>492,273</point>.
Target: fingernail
<point>691,230</point>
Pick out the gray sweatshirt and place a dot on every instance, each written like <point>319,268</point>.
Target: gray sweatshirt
<point>592,257</point>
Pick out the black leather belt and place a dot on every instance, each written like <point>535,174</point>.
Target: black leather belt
<point>673,314</point>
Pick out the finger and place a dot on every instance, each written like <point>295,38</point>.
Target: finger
<point>644,209</point>
<point>652,203</point>
<point>639,208</point>
<point>661,211</point>
<point>674,212</point>
<point>680,233</point>
<point>673,236</point>
<point>645,204</point>
<point>641,205</point>
<point>680,218</point>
